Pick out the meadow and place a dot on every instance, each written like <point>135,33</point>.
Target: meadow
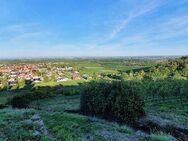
<point>62,116</point>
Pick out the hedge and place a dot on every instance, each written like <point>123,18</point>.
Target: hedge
<point>114,100</point>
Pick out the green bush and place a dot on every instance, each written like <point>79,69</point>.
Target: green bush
<point>160,137</point>
<point>20,101</point>
<point>2,106</point>
<point>162,88</point>
<point>23,100</point>
<point>116,100</point>
<point>26,96</point>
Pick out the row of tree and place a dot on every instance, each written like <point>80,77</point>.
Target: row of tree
<point>172,69</point>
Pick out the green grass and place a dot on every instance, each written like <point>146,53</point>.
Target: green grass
<point>160,137</point>
<point>75,127</point>
<point>67,126</point>
<point>16,125</point>
<point>66,83</point>
<point>120,65</point>
<point>107,66</point>
<point>62,125</point>
<point>96,70</point>
<point>4,98</point>
<point>171,109</point>
<point>13,125</point>
<point>58,104</point>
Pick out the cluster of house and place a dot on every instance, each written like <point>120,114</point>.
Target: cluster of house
<point>35,73</point>
<point>13,73</point>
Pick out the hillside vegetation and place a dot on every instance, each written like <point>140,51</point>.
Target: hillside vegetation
<point>99,109</point>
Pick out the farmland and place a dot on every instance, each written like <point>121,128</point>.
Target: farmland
<point>59,109</point>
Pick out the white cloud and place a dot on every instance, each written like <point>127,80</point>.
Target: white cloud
<point>22,33</point>
<point>19,28</point>
<point>31,40</point>
<point>136,12</point>
<point>159,34</point>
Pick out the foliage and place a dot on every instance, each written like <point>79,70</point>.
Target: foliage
<point>160,137</point>
<point>171,69</point>
<point>2,106</point>
<point>112,99</point>
<point>164,88</point>
<point>62,125</point>
<point>176,69</point>
<point>4,98</point>
<point>68,127</point>
<point>28,94</point>
<point>161,88</point>
<point>13,125</point>
<point>23,100</point>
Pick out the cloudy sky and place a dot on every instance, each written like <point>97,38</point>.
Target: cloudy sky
<point>61,28</point>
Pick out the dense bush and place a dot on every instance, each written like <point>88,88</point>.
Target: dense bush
<point>71,90</point>
<point>115,100</point>
<point>2,106</point>
<point>26,96</point>
<point>23,100</point>
<point>20,101</point>
<point>162,88</point>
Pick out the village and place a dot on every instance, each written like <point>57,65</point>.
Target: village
<point>12,74</point>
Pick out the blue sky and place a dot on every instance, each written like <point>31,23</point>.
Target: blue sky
<point>61,28</point>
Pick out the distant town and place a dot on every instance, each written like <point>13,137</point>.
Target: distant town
<point>14,74</point>
<point>19,73</point>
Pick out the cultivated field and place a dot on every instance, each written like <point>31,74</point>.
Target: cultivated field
<point>121,105</point>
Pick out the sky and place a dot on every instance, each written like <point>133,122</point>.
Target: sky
<point>67,28</point>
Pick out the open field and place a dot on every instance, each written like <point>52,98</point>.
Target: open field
<point>67,83</point>
<point>93,70</point>
<point>68,126</point>
<point>172,109</point>
<point>53,111</point>
<point>62,124</point>
<point>76,126</point>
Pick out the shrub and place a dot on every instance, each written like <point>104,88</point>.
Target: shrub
<point>23,100</point>
<point>163,88</point>
<point>26,96</point>
<point>116,100</point>
<point>20,101</point>
<point>160,137</point>
<point>2,106</point>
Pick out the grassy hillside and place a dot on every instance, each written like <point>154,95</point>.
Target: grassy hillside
<point>163,88</point>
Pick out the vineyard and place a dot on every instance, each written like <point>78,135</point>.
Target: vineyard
<point>142,105</point>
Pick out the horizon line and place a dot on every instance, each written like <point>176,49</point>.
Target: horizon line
<point>85,57</point>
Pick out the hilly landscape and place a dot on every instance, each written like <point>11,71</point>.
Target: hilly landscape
<point>93,70</point>
<point>113,103</point>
